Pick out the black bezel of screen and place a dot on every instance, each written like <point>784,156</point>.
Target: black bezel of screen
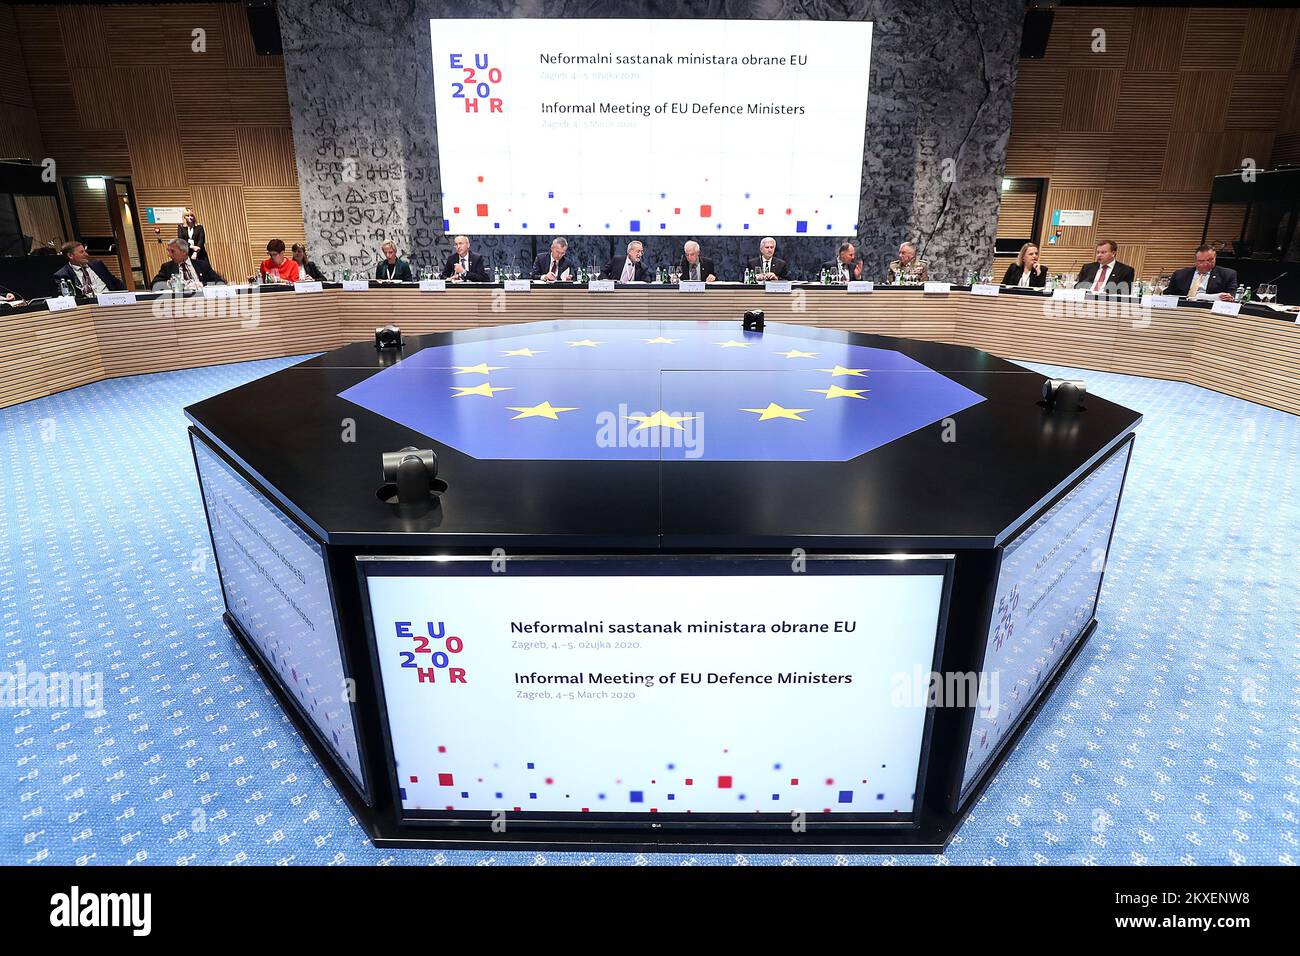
<point>756,565</point>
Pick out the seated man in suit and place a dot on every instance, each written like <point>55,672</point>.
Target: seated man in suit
<point>556,265</point>
<point>1107,275</point>
<point>88,276</point>
<point>907,267</point>
<point>628,268</point>
<point>693,267</point>
<point>194,273</point>
<point>391,268</point>
<point>846,266</point>
<point>1204,277</point>
<point>767,267</point>
<point>464,265</point>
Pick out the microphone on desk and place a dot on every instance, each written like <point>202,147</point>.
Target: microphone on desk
<point>1275,278</point>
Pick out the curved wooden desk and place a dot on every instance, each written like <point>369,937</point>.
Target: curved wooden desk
<point>1254,355</point>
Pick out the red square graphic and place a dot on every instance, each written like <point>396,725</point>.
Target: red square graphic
<point>724,783</point>
<point>482,209</point>
<point>444,780</point>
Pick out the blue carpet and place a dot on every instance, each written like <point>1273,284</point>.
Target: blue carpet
<point>1171,740</point>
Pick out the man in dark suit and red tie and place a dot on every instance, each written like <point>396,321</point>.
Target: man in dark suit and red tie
<point>556,265</point>
<point>88,276</point>
<point>1107,275</point>
<point>767,267</point>
<point>465,265</point>
<point>1206,277</point>
<point>628,268</point>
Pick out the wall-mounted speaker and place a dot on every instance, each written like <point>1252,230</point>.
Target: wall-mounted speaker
<point>264,24</point>
<point>1037,31</point>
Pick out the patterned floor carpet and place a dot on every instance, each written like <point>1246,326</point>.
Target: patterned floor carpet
<point>1172,740</point>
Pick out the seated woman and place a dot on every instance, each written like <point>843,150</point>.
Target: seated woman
<point>1026,272</point>
<point>305,266</point>
<point>277,268</point>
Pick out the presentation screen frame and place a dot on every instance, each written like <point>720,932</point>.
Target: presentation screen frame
<point>759,564</point>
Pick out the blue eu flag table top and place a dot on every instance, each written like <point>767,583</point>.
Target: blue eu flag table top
<point>672,391</point>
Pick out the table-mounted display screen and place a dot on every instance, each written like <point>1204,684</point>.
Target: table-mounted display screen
<point>277,590</point>
<point>680,690</point>
<point>1048,585</point>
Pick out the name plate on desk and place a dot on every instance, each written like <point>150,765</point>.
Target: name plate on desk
<point>1160,302</point>
<point>781,286</point>
<point>937,288</point>
<point>356,285</point>
<point>600,285</point>
<point>1226,308</point>
<point>688,285</point>
<point>309,287</point>
<point>433,285</point>
<point>519,285</point>
<point>1070,295</point>
<point>981,288</point>
<point>60,303</point>
<point>116,298</point>
<point>220,291</point>
<point>860,285</point>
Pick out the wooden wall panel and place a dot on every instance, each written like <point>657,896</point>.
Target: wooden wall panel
<point>1270,40</point>
<point>1157,39</point>
<point>1195,93</point>
<point>1252,357</point>
<point>40,219</point>
<point>123,91</point>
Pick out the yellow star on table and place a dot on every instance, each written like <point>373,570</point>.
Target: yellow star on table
<point>527,352</point>
<point>482,368</point>
<point>660,418</point>
<point>774,410</point>
<point>482,388</point>
<point>586,342</point>
<point>841,370</point>
<point>544,410</point>
<point>836,392</point>
<point>795,353</point>
<point>732,344</point>
<point>660,340</point>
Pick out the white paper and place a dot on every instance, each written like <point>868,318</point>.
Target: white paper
<point>1070,295</point>
<point>116,298</point>
<point>1160,302</point>
<point>861,285</point>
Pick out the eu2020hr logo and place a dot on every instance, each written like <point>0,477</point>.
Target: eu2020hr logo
<point>477,83</point>
<point>440,648</point>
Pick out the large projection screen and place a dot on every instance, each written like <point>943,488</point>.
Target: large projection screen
<point>616,127</point>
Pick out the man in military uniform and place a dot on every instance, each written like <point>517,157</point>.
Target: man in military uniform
<point>907,267</point>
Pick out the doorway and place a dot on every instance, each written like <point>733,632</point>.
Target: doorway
<point>102,213</point>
